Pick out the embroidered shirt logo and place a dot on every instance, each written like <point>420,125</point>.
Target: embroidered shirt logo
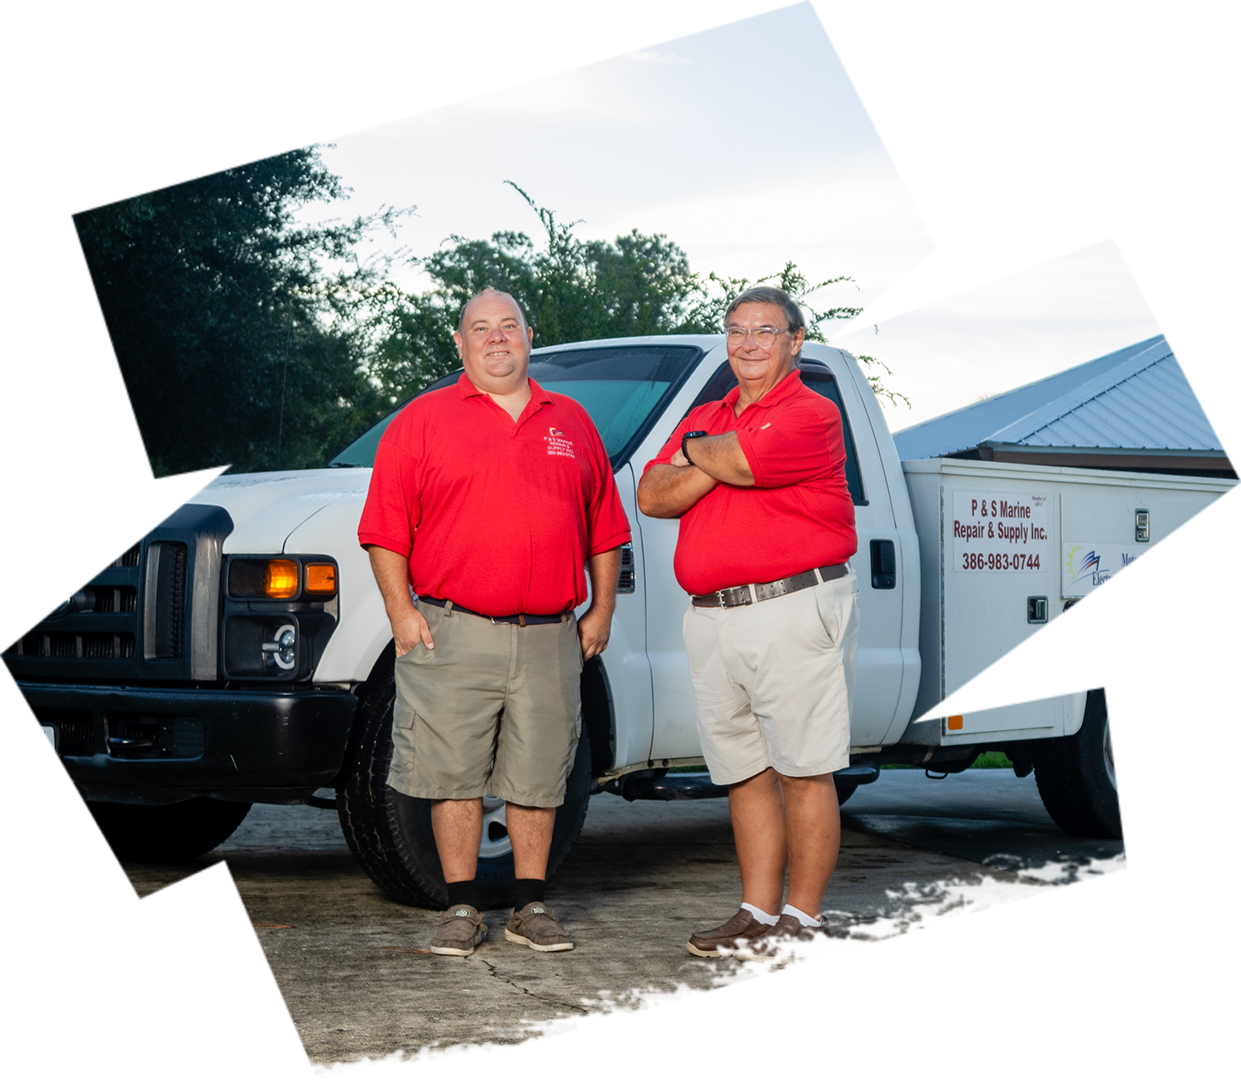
<point>557,444</point>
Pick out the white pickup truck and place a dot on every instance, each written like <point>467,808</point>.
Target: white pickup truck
<point>240,652</point>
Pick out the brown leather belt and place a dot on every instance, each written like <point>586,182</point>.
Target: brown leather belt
<point>516,620</point>
<point>752,594</point>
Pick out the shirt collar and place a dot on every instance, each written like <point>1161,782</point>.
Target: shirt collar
<point>467,390</point>
<point>790,383</point>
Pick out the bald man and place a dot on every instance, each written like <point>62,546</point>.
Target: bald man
<point>489,503</point>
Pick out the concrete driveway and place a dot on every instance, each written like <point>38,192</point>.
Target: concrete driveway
<point>359,981</point>
<point>987,816</point>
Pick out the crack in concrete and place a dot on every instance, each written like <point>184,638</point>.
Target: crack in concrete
<point>553,1002</point>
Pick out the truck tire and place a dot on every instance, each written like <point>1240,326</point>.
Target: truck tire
<point>174,833</point>
<point>390,833</point>
<point>1076,776</point>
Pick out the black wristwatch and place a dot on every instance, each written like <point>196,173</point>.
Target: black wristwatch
<point>685,440</point>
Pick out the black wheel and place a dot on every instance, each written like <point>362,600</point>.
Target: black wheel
<point>172,833</point>
<point>1076,776</point>
<point>390,833</point>
<point>843,790</point>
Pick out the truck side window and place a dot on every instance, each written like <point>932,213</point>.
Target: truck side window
<point>821,381</point>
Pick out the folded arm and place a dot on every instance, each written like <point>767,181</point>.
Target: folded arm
<point>667,491</point>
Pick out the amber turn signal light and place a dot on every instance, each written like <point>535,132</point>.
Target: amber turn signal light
<point>280,579</point>
<point>321,579</point>
<point>956,723</point>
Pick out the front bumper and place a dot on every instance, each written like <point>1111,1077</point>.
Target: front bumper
<point>162,745</point>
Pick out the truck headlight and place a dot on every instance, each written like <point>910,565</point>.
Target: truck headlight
<point>278,612</point>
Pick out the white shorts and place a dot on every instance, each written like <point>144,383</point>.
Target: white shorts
<point>773,681</point>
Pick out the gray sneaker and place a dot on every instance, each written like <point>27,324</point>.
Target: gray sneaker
<point>535,925</point>
<point>461,928</point>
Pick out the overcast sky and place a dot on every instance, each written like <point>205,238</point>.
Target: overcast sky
<point>695,139</point>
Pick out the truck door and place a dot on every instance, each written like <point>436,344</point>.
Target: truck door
<point>878,563</point>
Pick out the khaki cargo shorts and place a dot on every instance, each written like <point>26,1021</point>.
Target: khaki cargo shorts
<point>773,681</point>
<point>493,709</point>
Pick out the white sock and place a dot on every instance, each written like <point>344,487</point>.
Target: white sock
<point>802,917</point>
<point>761,916</point>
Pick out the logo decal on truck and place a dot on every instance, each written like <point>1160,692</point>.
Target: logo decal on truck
<point>993,531</point>
<point>1087,566</point>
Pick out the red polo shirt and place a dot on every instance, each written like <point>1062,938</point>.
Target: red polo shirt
<point>496,516</point>
<point>798,514</point>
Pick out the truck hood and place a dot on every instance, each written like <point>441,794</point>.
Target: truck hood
<point>267,507</point>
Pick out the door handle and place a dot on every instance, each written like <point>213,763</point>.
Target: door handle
<point>883,564</point>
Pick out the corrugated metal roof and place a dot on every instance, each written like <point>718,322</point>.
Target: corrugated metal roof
<point>1136,398</point>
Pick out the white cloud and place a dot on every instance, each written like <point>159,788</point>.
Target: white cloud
<point>655,56</point>
<point>742,167</point>
<point>1007,333</point>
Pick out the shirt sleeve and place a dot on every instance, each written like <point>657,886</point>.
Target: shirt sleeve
<point>691,423</point>
<point>393,510</point>
<point>607,525</point>
<point>799,443</point>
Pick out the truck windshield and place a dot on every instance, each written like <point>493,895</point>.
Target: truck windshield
<point>624,389</point>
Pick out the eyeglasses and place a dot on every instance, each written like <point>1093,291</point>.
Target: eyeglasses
<point>764,336</point>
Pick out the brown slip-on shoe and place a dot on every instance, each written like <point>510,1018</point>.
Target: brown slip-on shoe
<point>535,925</point>
<point>742,927</point>
<point>778,939</point>
<point>461,928</point>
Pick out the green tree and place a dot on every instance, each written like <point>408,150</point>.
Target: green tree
<point>716,293</point>
<point>572,290</point>
<point>234,327</point>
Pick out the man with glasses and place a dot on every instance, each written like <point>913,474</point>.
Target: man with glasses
<point>489,499</point>
<point>758,481</point>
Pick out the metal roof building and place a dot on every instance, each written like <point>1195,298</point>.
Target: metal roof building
<point>1132,409</point>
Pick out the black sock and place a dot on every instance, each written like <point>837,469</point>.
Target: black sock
<point>528,890</point>
<point>463,892</point>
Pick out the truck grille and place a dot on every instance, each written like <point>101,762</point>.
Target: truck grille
<point>123,598</point>
<point>64,646</point>
<point>130,558</point>
<point>75,731</point>
<point>166,635</point>
<point>133,621</point>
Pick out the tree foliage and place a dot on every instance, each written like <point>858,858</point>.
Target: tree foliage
<point>235,328</point>
<point>571,290</point>
<point>718,292</point>
<point>246,338</point>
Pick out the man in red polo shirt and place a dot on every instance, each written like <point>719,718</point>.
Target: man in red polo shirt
<point>758,481</point>
<point>491,500</point>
